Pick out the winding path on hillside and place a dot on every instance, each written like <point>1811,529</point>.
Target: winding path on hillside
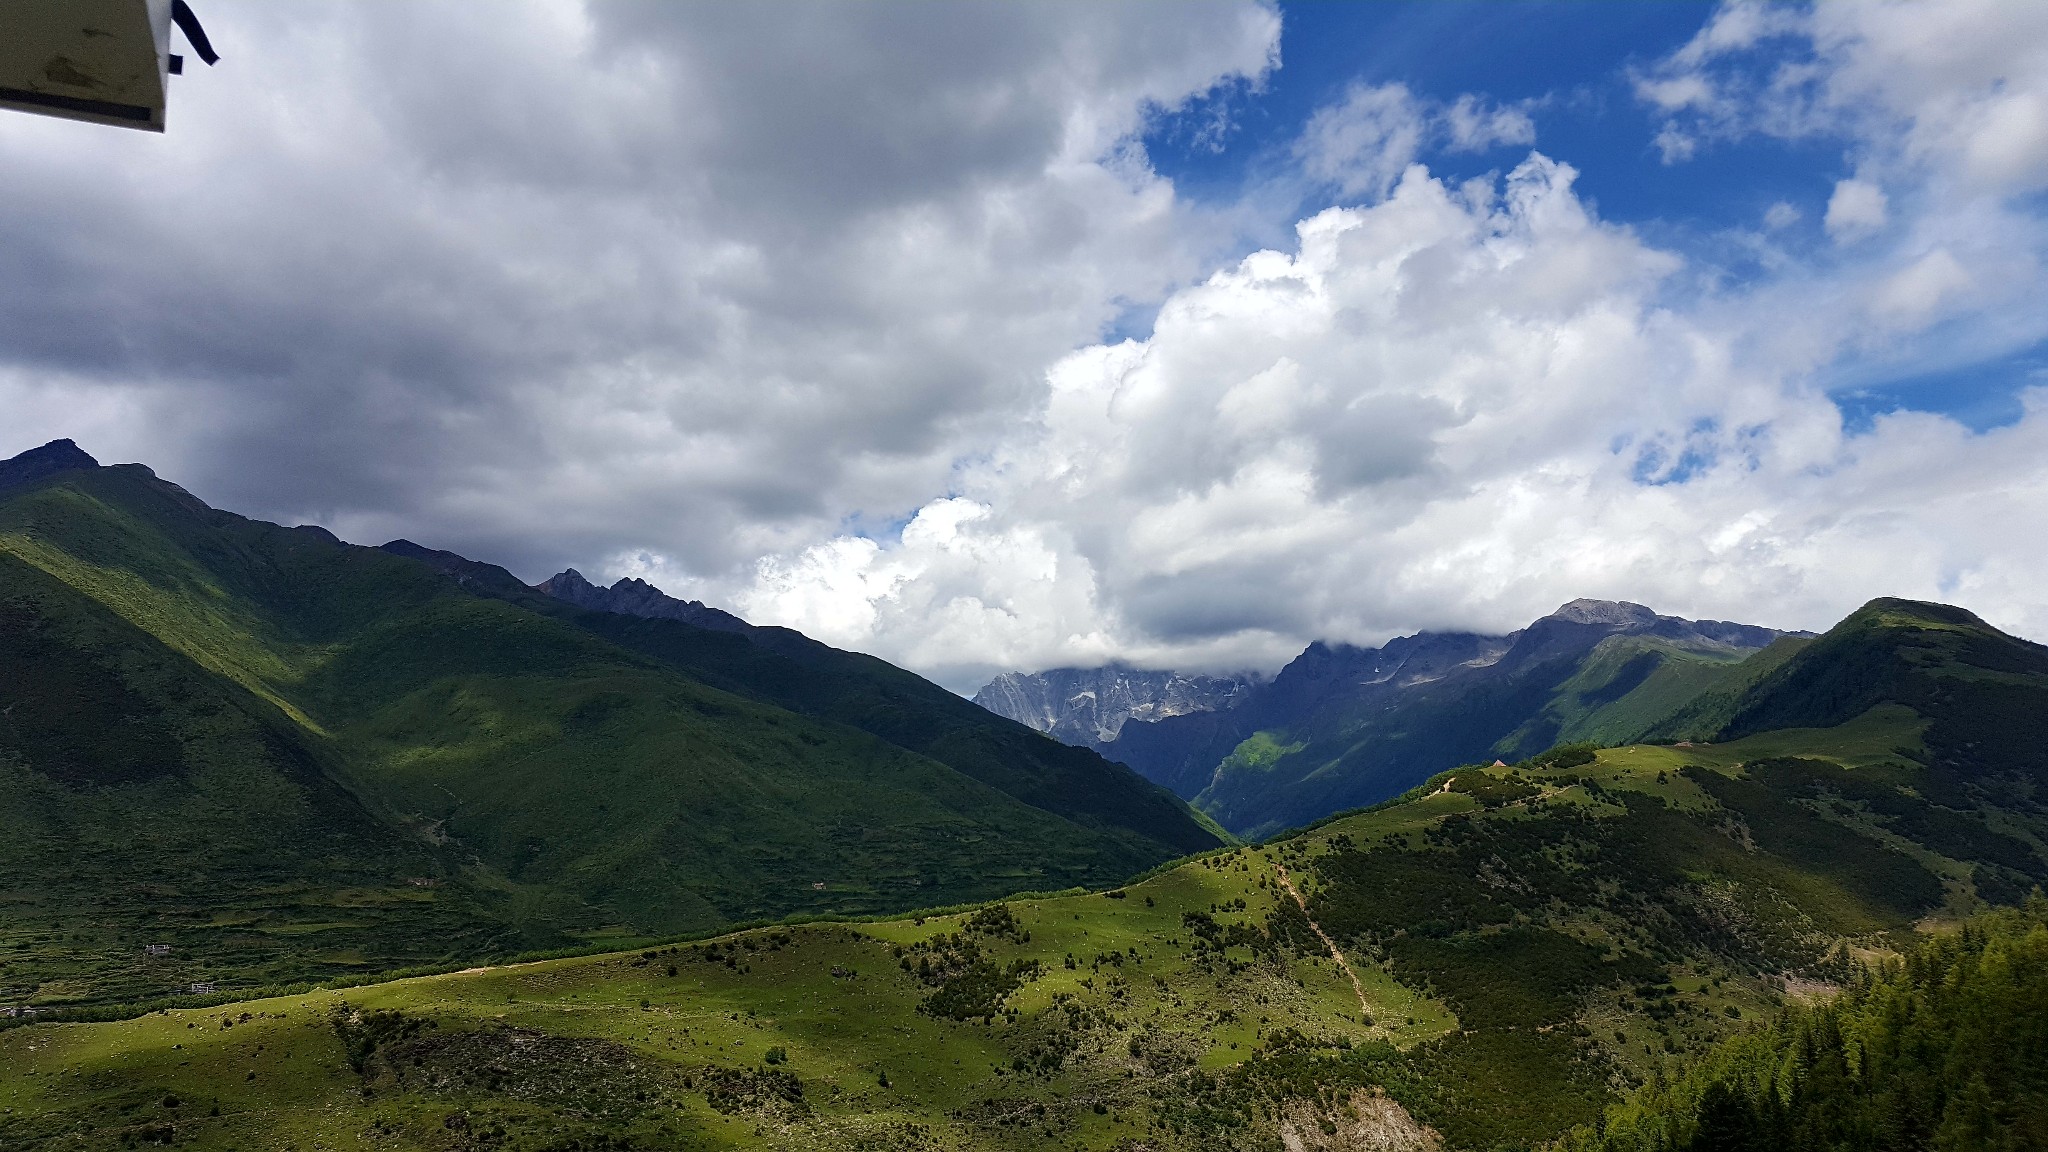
<point>1358,986</point>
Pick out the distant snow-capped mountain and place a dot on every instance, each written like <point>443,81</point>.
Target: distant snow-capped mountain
<point>1089,706</point>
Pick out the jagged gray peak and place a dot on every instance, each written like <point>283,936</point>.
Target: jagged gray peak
<point>1089,706</point>
<point>635,597</point>
<point>1622,617</point>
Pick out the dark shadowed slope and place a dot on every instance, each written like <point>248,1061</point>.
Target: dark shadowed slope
<point>220,699</point>
<point>790,670</point>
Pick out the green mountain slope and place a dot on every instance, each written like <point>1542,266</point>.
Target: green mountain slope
<point>1631,688</point>
<point>1341,755</point>
<point>787,669</point>
<point>146,802</point>
<point>1337,729</point>
<point>1342,727</point>
<point>470,775</point>
<point>1521,947</point>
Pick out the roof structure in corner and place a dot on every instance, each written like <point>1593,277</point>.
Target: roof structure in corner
<point>103,61</point>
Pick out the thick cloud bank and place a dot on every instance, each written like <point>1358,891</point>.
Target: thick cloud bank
<point>801,310</point>
<point>546,280</point>
<point>1461,406</point>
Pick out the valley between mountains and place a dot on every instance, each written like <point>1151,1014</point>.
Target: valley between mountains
<point>311,845</point>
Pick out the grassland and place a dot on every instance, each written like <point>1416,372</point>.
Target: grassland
<point>1527,944</point>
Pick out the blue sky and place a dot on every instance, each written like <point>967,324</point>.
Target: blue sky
<point>1572,66</point>
<point>1570,57</point>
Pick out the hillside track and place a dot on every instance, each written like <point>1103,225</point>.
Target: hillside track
<point>1286,881</point>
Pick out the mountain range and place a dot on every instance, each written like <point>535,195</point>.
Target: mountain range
<point>282,757</point>
<point>797,898</point>
<point>1344,726</point>
<point>1647,946</point>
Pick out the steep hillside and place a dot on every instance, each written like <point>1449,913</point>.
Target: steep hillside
<point>290,758</point>
<point>147,802</point>
<point>1343,726</point>
<point>786,669</point>
<point>1515,949</point>
<point>789,670</point>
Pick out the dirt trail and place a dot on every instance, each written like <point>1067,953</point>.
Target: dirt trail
<point>1364,1009</point>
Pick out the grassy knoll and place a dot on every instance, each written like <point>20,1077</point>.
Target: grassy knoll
<point>1529,943</point>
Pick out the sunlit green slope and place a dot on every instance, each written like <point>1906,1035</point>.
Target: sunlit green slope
<point>285,758</point>
<point>1528,943</point>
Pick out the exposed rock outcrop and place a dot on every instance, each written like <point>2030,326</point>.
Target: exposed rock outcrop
<point>635,597</point>
<point>1089,706</point>
<point>1367,1121</point>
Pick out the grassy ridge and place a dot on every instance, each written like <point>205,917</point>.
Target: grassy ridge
<point>1529,942</point>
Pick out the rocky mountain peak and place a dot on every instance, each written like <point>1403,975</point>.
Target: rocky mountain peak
<point>48,460</point>
<point>1609,612</point>
<point>632,596</point>
<point>1089,706</point>
<point>570,585</point>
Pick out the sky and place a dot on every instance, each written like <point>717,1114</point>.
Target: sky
<point>990,337</point>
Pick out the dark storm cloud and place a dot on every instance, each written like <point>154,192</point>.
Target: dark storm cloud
<point>549,283</point>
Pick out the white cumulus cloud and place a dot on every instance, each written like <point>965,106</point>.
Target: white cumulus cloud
<point>1856,207</point>
<point>800,310</point>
